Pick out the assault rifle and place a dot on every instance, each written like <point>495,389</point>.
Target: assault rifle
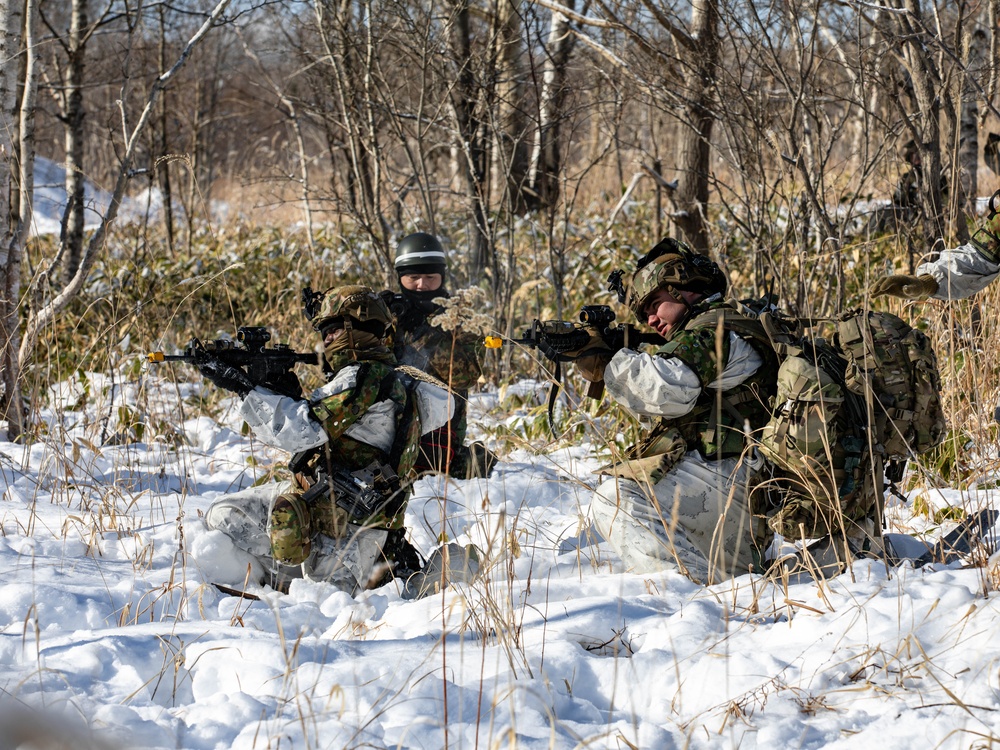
<point>565,341</point>
<point>271,367</point>
<point>362,493</point>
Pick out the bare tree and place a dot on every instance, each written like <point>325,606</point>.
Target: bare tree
<point>69,93</point>
<point>290,111</point>
<point>546,157</point>
<point>679,74</point>
<point>511,154</point>
<point>966,172</point>
<point>17,22</point>
<point>46,311</point>
<point>469,103</point>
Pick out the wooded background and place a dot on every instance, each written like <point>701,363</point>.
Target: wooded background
<point>544,140</point>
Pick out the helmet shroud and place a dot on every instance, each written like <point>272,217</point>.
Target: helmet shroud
<point>674,266</point>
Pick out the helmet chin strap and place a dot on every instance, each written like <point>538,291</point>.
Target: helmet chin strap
<point>349,332</point>
<point>677,295</point>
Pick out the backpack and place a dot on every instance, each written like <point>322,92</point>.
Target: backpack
<point>893,368</point>
<point>845,405</point>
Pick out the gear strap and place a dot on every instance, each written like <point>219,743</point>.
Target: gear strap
<point>987,243</point>
<point>745,327</point>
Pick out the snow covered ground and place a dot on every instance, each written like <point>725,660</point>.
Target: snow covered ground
<point>50,201</point>
<point>113,634</point>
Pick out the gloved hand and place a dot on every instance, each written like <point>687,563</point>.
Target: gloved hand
<point>597,345</point>
<point>591,366</point>
<point>907,287</point>
<point>226,376</point>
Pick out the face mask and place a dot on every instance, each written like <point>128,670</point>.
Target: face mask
<point>356,346</point>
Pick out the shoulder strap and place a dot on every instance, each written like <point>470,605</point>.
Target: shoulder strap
<point>403,448</point>
<point>744,325</point>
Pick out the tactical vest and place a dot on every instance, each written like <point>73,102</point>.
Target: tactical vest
<point>376,382</point>
<point>717,425</point>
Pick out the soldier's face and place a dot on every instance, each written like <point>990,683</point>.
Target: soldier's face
<point>664,313</point>
<point>332,334</point>
<point>421,282</point>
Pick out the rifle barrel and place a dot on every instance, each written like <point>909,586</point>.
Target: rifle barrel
<point>157,357</point>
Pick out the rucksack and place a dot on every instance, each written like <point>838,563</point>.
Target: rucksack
<point>893,367</point>
<point>883,369</point>
<point>845,406</point>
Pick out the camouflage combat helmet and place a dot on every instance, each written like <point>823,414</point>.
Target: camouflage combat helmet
<point>671,265</point>
<point>420,253</point>
<point>356,304</point>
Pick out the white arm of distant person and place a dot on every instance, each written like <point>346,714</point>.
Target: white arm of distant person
<point>960,272</point>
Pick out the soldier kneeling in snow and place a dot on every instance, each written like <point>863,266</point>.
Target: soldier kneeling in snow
<point>355,442</point>
<point>681,497</point>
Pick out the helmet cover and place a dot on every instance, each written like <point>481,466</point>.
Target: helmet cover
<point>366,310</point>
<point>674,266</point>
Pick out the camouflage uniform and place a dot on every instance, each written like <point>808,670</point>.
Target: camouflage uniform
<point>450,356</point>
<point>368,414</point>
<point>699,490</point>
<point>682,497</point>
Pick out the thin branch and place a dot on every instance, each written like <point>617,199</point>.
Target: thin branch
<point>677,33</point>
<point>44,316</point>
<point>572,15</point>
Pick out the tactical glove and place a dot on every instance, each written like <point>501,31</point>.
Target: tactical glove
<point>226,376</point>
<point>907,287</point>
<point>591,366</point>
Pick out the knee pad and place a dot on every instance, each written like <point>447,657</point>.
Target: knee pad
<point>290,530</point>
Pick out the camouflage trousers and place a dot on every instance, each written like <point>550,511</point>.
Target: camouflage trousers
<point>348,561</point>
<point>695,519</point>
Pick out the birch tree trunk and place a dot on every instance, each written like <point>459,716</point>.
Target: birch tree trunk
<point>967,168</point>
<point>71,235</point>
<point>11,17</point>
<point>16,187</point>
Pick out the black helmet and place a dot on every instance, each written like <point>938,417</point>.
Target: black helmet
<point>420,253</point>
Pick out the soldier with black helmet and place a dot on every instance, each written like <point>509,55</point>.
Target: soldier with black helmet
<point>450,356</point>
<point>355,441</point>
<point>681,498</point>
